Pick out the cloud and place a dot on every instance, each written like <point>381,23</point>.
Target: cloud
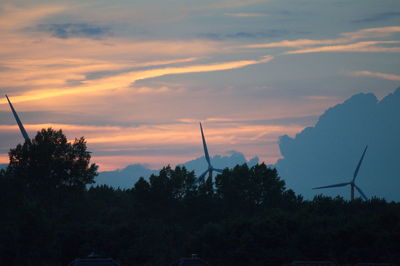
<point>378,17</point>
<point>75,30</point>
<point>15,18</point>
<point>124,80</point>
<point>161,144</point>
<point>359,47</point>
<point>328,152</point>
<point>61,72</point>
<point>292,44</point>
<point>244,35</point>
<point>228,4</point>
<point>245,15</point>
<point>126,177</point>
<point>372,33</point>
<point>365,73</point>
<point>346,43</point>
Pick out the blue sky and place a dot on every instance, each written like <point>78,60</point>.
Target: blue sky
<point>136,77</point>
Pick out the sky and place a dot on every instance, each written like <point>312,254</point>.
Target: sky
<point>136,77</point>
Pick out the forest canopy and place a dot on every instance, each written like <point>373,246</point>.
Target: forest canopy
<point>243,216</point>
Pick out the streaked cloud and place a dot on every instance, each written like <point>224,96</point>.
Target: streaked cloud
<point>126,79</point>
<point>245,15</point>
<point>272,33</point>
<point>36,73</point>
<point>135,142</point>
<point>378,17</point>
<point>136,77</point>
<point>74,30</point>
<point>365,73</point>
<point>292,44</point>
<point>13,17</point>
<point>224,4</point>
<point>359,47</point>
<point>372,33</point>
<point>343,44</point>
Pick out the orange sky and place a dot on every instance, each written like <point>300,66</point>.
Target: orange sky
<point>136,78</point>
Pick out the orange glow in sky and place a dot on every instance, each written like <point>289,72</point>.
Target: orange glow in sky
<point>136,78</point>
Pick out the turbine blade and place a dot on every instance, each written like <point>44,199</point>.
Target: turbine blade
<point>205,146</point>
<point>336,185</point>
<point>210,173</point>
<point>203,174</point>
<point>362,193</point>
<point>359,164</point>
<point>20,125</point>
<point>218,170</point>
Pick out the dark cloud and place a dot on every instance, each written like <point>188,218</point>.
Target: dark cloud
<point>71,30</point>
<point>378,17</point>
<point>328,153</point>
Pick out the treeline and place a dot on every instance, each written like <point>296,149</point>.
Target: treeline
<point>244,216</point>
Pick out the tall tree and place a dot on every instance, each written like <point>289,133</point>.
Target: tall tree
<point>50,161</point>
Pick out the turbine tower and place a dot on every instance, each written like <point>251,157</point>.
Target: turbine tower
<point>210,168</point>
<point>352,182</point>
<point>20,125</point>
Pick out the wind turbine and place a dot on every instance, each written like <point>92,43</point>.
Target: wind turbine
<point>352,182</point>
<point>210,168</point>
<point>20,125</point>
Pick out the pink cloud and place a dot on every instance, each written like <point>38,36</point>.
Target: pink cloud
<point>374,74</point>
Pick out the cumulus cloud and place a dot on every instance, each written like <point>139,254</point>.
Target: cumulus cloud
<point>328,152</point>
<point>126,177</point>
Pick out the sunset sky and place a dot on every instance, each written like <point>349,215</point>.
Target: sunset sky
<point>136,77</point>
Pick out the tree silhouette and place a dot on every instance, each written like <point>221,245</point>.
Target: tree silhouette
<point>50,161</point>
<point>243,216</point>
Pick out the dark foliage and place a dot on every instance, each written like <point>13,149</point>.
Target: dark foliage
<point>245,216</point>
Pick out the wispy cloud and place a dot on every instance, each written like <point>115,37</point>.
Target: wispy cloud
<point>359,47</point>
<point>345,43</point>
<point>35,73</point>
<point>124,80</point>
<point>75,30</point>
<point>135,142</point>
<point>272,33</point>
<point>14,18</point>
<point>378,17</point>
<point>365,73</point>
<point>371,33</point>
<point>293,44</point>
<point>245,15</point>
<point>225,4</point>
